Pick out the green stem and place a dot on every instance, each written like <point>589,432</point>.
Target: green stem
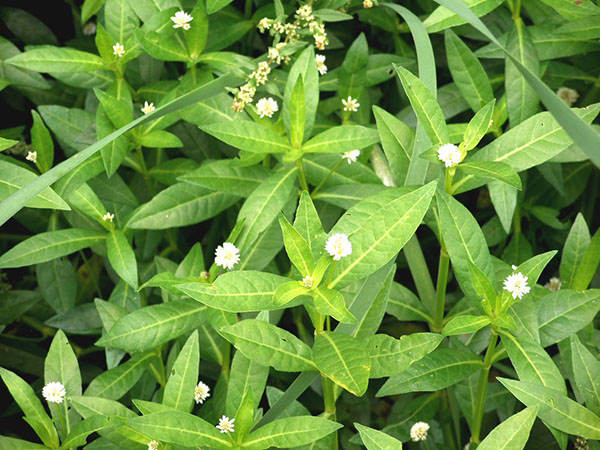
<point>144,168</point>
<point>64,421</point>
<point>225,368</point>
<point>420,273</point>
<point>329,398</point>
<point>38,325</point>
<point>440,290</point>
<point>322,183</point>
<point>91,274</point>
<point>330,274</point>
<point>303,182</point>
<point>482,388</point>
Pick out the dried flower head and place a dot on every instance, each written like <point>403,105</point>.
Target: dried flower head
<point>339,246</point>
<point>449,154</point>
<point>227,255</point>
<point>181,19</point>
<point>89,29</point>
<point>226,424</point>
<point>568,95</point>
<point>54,392</point>
<point>418,432</point>
<point>554,284</point>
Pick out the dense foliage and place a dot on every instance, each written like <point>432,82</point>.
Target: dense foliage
<point>315,225</point>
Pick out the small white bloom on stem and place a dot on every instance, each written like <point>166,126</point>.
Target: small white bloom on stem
<point>153,445</point>
<point>226,424</point>
<point>516,284</point>
<point>350,104</point>
<point>307,281</point>
<point>108,217</point>
<point>54,392</point>
<point>321,67</point>
<point>148,108</point>
<point>351,156</point>
<point>266,107</point>
<point>338,246</point>
<point>31,156</point>
<point>418,432</point>
<point>449,155</point>
<point>118,50</point>
<point>201,393</point>
<point>181,19</point>
<point>227,255</point>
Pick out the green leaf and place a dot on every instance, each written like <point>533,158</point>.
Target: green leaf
<point>377,440</point>
<point>15,303</point>
<point>438,370</point>
<point>467,72</point>
<point>13,178</point>
<point>513,433</point>
<point>297,114</point>
<point>4,144</point>
<point>57,59</point>
<point>331,302</point>
<point>504,199</point>
<point>248,136</point>
<point>8,443</point>
<point>482,284</point>
<point>565,312</point>
<point>465,324</point>
<point>93,424</point>
<point>180,428</point>
<point>58,283</point>
<point>179,390</point>
<point>196,36</point>
<point>121,257</point>
<point>353,71</point>
<point>341,139</point>
<point>287,292</point>
<point>227,176</point>
<point>588,265</point>
<point>41,142</point>
<point>556,409</point>
<point>576,244</point>
<point>443,17</point>
<point>391,356</point>
<point>478,126</point>
<point>49,245</point>
<point>490,170</point>
<point>269,345</point>
<point>425,106</point>
<point>383,233</point>
<point>160,139</point>
<point>586,370</point>
<point>396,140</point>
<point>464,241</point>
<point>24,396</point>
<point>153,325</point>
<point>120,19</point>
<point>308,222</point>
<point>344,360</point>
<point>296,247</point>
<point>117,110</point>
<point>245,375</point>
<point>290,432</point>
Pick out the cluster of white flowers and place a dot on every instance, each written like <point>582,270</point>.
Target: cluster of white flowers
<point>450,155</point>
<point>350,104</point>
<point>351,156</point>
<point>321,67</point>
<point>275,54</point>
<point>266,107</point>
<point>516,284</point>
<point>339,246</point>
<point>226,424</point>
<point>108,217</point>
<point>201,393</point>
<point>245,94</point>
<point>31,156</point>
<point>568,95</point>
<point>418,432</point>
<point>153,445</point>
<point>307,281</point>
<point>181,19</point>
<point>227,255</point>
<point>118,50</point>
<point>148,108</point>
<point>54,392</point>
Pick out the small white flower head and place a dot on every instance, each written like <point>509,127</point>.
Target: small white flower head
<point>351,156</point>
<point>54,392</point>
<point>201,393</point>
<point>307,281</point>
<point>449,154</point>
<point>31,156</point>
<point>568,95</point>
<point>148,108</point>
<point>418,432</point>
<point>339,246</point>
<point>554,284</point>
<point>513,267</point>
<point>181,19</point>
<point>516,284</point>
<point>226,424</point>
<point>321,67</point>
<point>227,255</point>
<point>108,217</point>
<point>118,50</point>
<point>153,445</point>
<point>350,104</point>
<point>266,107</point>
<point>367,4</point>
<point>264,24</point>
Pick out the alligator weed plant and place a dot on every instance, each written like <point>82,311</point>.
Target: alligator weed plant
<point>317,225</point>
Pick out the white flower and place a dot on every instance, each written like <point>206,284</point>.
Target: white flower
<point>118,49</point>
<point>153,445</point>
<point>148,108</point>
<point>449,155</point>
<point>108,217</point>
<point>418,432</point>
<point>181,19</point>
<point>266,107</point>
<point>567,95</point>
<point>226,424</point>
<point>338,246</point>
<point>513,267</point>
<point>351,156</point>
<point>321,67</point>
<point>201,393</point>
<point>367,4</point>
<point>227,255</point>
<point>554,284</point>
<point>307,281</point>
<point>516,284</point>
<point>350,104</point>
<point>31,156</point>
<point>54,392</point>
